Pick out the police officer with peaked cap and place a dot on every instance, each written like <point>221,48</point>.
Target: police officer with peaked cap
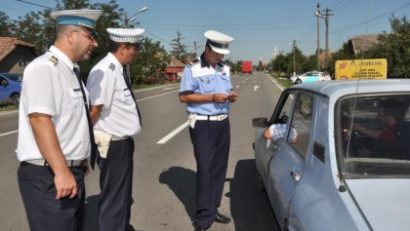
<point>117,119</point>
<point>207,91</point>
<point>54,138</point>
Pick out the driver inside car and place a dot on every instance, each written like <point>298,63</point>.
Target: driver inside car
<point>277,131</point>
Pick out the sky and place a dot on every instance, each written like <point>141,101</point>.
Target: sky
<point>261,28</point>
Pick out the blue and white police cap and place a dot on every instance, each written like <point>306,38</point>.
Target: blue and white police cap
<point>218,41</point>
<point>80,17</point>
<point>125,35</point>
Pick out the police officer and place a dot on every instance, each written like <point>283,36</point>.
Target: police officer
<point>54,135</point>
<point>207,91</point>
<point>117,120</point>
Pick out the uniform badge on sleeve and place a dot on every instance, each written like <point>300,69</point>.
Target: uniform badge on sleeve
<point>53,59</point>
<point>112,66</point>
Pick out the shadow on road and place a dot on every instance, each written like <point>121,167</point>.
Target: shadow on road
<point>182,182</point>
<point>250,208</point>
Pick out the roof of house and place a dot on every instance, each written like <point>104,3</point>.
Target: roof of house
<point>175,62</point>
<point>8,44</point>
<point>363,42</point>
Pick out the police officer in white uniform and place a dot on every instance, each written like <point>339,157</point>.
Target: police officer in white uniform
<point>207,90</point>
<point>54,139</point>
<point>117,119</point>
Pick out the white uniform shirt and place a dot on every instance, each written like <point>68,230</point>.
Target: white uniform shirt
<point>278,132</point>
<point>50,86</point>
<point>107,87</point>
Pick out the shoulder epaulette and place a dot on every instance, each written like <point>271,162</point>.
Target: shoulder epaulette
<point>53,59</point>
<point>112,66</point>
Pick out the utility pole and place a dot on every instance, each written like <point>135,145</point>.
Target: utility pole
<point>294,59</point>
<point>317,13</point>
<point>195,48</point>
<point>327,53</point>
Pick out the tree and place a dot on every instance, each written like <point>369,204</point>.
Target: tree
<point>6,26</point>
<point>31,28</point>
<point>178,48</point>
<point>343,53</point>
<point>394,46</point>
<point>280,63</point>
<point>151,62</point>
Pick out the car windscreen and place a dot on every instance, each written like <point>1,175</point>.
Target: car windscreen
<point>14,77</point>
<point>374,135</point>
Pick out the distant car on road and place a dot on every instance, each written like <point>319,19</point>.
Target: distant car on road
<point>311,76</point>
<point>10,88</point>
<point>335,176</point>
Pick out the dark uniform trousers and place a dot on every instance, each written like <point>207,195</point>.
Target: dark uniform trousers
<point>211,140</point>
<point>116,186</point>
<point>44,212</point>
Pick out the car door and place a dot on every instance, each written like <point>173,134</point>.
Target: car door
<point>265,149</point>
<point>287,165</point>
<point>4,89</point>
<point>310,77</point>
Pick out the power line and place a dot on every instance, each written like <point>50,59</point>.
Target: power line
<point>372,19</point>
<point>35,4</point>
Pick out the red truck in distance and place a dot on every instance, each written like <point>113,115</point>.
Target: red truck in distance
<point>247,67</point>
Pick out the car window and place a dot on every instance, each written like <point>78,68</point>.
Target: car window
<point>375,135</point>
<point>3,81</point>
<point>301,122</point>
<point>285,112</point>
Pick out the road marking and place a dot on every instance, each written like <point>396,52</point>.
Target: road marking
<point>8,113</point>
<point>173,133</point>
<point>168,88</point>
<point>155,96</point>
<point>8,133</point>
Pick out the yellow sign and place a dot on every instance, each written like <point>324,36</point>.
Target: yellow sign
<point>361,69</point>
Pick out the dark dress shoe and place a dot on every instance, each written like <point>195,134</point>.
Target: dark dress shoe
<point>220,218</point>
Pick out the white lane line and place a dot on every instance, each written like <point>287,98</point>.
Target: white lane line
<point>8,113</point>
<point>155,96</point>
<point>8,133</point>
<point>255,88</point>
<point>173,133</point>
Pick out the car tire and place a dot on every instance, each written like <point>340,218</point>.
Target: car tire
<point>15,99</point>
<point>298,81</point>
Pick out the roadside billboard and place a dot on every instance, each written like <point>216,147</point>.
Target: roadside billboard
<point>361,68</point>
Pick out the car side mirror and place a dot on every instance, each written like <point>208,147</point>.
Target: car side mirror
<point>260,122</point>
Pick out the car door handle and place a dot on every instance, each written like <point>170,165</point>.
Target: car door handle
<point>295,175</point>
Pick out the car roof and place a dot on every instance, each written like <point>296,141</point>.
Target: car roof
<point>337,88</point>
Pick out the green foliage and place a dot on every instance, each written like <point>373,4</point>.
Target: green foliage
<point>235,67</point>
<point>178,48</point>
<point>6,26</point>
<point>151,61</point>
<point>343,53</point>
<point>395,47</point>
<point>39,29</point>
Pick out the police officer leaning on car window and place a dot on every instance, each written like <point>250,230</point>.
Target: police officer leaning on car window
<point>117,119</point>
<point>207,91</point>
<point>54,135</point>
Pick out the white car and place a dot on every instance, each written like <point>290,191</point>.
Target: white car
<point>311,76</point>
<point>349,166</point>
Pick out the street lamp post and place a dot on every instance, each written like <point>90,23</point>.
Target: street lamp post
<point>127,20</point>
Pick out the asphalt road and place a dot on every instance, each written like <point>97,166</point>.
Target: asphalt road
<point>164,175</point>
